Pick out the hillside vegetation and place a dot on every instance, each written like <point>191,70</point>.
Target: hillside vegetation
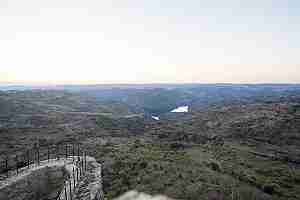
<point>239,142</point>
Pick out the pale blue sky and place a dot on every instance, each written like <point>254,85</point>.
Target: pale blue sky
<point>135,41</point>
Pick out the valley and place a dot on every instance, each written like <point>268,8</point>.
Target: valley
<point>242,141</point>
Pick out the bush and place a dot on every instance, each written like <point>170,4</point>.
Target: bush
<point>176,146</point>
<point>271,188</point>
<point>297,177</point>
<point>214,165</point>
<point>143,164</point>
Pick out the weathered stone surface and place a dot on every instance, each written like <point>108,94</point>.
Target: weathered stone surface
<point>134,195</point>
<point>43,183</point>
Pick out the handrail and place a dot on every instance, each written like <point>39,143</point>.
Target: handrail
<point>70,185</point>
<point>10,166</point>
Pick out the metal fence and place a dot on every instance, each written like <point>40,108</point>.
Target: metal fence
<point>70,185</point>
<point>13,165</point>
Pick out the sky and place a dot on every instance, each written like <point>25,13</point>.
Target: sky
<point>139,41</point>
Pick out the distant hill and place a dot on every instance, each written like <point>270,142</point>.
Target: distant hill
<point>23,102</point>
<point>159,98</point>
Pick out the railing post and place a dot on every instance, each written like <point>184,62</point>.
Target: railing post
<point>66,195</point>
<point>48,153</point>
<point>85,161</point>
<point>17,164</point>
<point>73,151</point>
<point>77,174</point>
<point>35,157</point>
<point>83,158</point>
<point>82,164</point>
<point>80,169</point>
<point>74,178</point>
<point>6,166</point>
<point>24,160</point>
<point>66,151</point>
<point>28,159</point>
<point>38,156</point>
<point>78,150</point>
<point>70,187</point>
<point>57,152</point>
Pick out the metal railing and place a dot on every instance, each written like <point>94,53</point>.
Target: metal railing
<point>13,165</point>
<point>70,185</point>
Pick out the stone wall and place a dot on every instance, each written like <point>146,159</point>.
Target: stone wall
<point>41,184</point>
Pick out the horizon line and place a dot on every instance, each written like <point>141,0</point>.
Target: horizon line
<point>157,83</point>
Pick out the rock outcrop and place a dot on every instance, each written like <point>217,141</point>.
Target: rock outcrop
<point>134,195</point>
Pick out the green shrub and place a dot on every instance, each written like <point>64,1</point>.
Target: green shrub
<point>246,193</point>
<point>271,188</point>
<point>214,165</point>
